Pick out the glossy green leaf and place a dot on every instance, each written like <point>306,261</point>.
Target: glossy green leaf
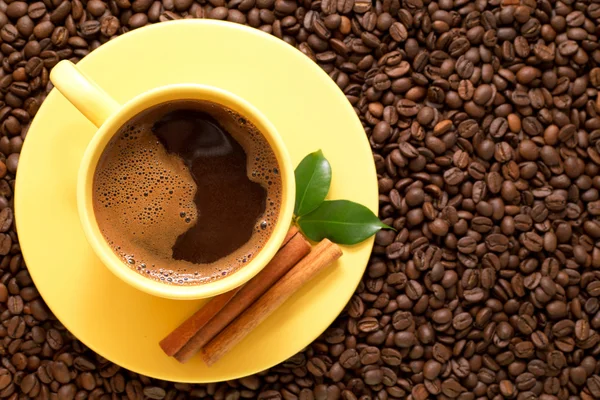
<point>341,221</point>
<point>313,177</point>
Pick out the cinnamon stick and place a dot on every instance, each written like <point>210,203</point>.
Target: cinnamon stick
<point>184,332</point>
<point>320,257</point>
<point>283,261</point>
<point>291,233</point>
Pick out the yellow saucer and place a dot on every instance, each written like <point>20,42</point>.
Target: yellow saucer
<point>121,323</point>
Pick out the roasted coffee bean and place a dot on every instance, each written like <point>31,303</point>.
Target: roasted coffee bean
<point>391,357</point>
<point>593,385</point>
<point>370,355</point>
<point>350,359</point>
<point>462,321</point>
<point>316,367</point>
<point>399,33</point>
<point>532,241</point>
<point>89,29</point>
<point>467,245</point>
<point>109,26</point>
<point>454,176</point>
<point>407,108</point>
<point>497,243</point>
<point>154,392</point>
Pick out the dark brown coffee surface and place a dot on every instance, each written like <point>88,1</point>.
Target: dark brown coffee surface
<point>187,192</point>
<point>483,118</point>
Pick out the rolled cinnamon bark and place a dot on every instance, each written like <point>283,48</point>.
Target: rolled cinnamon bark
<point>320,257</point>
<point>294,247</point>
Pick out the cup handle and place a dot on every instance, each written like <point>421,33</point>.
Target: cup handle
<point>89,98</point>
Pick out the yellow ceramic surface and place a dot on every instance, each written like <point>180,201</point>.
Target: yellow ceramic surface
<point>106,113</point>
<point>120,322</point>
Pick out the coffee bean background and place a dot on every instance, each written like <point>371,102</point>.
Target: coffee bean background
<point>483,118</point>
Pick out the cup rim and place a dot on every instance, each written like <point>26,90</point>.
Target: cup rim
<point>109,128</point>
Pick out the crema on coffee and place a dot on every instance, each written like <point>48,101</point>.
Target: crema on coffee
<point>187,192</point>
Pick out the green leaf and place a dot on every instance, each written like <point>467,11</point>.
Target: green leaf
<point>313,177</point>
<point>341,221</point>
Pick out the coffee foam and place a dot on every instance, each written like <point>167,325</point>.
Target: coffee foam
<point>144,196</point>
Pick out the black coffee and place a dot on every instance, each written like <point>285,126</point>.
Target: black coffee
<point>187,192</point>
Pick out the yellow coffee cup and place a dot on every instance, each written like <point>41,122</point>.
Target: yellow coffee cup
<point>108,115</point>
